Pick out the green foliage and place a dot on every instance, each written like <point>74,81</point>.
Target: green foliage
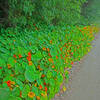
<point>34,64</point>
<point>53,12</point>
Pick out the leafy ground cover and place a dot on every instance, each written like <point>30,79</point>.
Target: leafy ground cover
<point>33,63</point>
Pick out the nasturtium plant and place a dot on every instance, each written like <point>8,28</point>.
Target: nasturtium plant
<point>35,63</point>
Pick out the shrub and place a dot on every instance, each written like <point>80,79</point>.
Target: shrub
<point>53,12</point>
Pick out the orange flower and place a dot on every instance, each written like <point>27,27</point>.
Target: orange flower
<point>72,53</point>
<point>44,48</point>
<point>12,75</point>
<point>9,66</point>
<point>9,83</point>
<point>29,54</point>
<point>55,69</point>
<point>38,66</point>
<point>50,60</point>
<point>30,63</point>
<point>46,89</point>
<point>14,56</point>
<point>56,57</point>
<point>29,58</point>
<point>44,83</point>
<point>45,94</point>
<point>48,49</point>
<point>35,84</point>
<point>72,63</point>
<point>20,56</point>
<point>43,75</point>
<point>50,41</point>
<point>53,66</point>
<point>15,61</point>
<point>60,49</point>
<point>55,79</point>
<point>40,87</point>
<point>31,94</point>
<point>85,28</point>
<point>37,98</point>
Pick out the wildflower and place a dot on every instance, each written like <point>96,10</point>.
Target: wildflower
<point>45,94</point>
<point>53,66</point>
<point>37,98</point>
<point>9,83</point>
<point>48,49</point>
<point>29,54</point>
<point>60,49</point>
<point>0,67</point>
<point>14,56</point>
<point>72,63</point>
<point>55,69</point>
<point>56,57</point>
<point>85,28</point>
<point>31,94</point>
<point>44,48</point>
<point>72,53</point>
<point>20,56</point>
<point>12,75</point>
<point>29,58</point>
<point>35,84</point>
<point>50,60</point>
<point>15,61</point>
<point>43,75</point>
<point>38,66</point>
<point>46,89</point>
<point>64,88</point>
<point>44,83</point>
<point>50,41</point>
<point>30,63</point>
<point>40,87</point>
<point>9,66</point>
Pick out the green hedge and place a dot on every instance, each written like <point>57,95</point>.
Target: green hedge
<point>32,65</point>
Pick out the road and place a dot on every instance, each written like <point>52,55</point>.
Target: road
<point>85,78</point>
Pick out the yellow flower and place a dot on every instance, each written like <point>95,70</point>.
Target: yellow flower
<point>64,88</point>
<point>31,94</point>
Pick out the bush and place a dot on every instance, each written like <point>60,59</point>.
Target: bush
<point>53,12</point>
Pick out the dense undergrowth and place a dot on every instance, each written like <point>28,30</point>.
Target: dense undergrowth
<point>32,63</point>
